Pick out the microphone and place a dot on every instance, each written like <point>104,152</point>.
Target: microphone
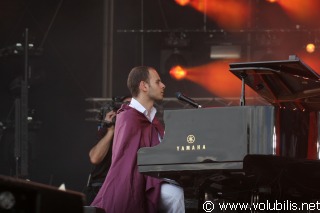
<point>188,100</point>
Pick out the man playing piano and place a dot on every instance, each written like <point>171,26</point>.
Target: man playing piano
<point>125,189</point>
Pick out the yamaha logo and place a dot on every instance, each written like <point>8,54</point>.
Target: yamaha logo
<point>192,147</point>
<point>191,139</point>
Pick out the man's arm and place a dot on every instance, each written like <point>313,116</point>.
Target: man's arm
<point>100,150</point>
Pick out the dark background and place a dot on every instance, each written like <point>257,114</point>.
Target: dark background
<point>67,68</point>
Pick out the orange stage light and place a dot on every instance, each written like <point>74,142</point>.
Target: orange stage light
<point>178,73</point>
<point>182,2</point>
<point>310,48</point>
<point>229,14</point>
<point>306,11</point>
<point>217,78</point>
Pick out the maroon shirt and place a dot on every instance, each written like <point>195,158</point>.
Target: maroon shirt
<point>126,190</point>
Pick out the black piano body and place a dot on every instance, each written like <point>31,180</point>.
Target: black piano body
<point>241,153</point>
<point>201,138</point>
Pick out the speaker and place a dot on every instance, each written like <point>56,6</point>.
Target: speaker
<point>21,196</point>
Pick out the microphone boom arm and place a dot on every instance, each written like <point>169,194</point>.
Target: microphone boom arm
<point>188,100</point>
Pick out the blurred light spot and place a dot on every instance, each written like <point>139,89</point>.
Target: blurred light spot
<point>306,11</point>
<point>178,73</point>
<point>182,2</point>
<point>310,48</point>
<point>229,14</point>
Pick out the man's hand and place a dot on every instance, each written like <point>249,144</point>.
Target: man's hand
<point>110,118</point>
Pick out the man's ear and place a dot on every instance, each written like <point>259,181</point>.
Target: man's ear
<point>143,86</point>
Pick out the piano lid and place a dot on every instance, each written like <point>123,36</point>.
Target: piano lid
<point>289,83</point>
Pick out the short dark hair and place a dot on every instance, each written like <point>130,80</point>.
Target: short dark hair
<point>136,75</point>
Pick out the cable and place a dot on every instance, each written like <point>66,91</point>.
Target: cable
<point>50,25</point>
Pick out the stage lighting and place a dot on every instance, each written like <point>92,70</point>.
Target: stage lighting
<point>182,2</point>
<point>272,1</point>
<point>175,52</point>
<point>225,52</point>
<point>178,72</point>
<point>173,57</point>
<point>177,40</point>
<point>310,47</point>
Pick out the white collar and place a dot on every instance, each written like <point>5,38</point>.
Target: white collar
<point>136,105</point>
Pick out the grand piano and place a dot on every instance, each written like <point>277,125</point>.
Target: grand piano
<point>246,153</point>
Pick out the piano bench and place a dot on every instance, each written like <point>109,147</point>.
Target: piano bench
<point>92,209</point>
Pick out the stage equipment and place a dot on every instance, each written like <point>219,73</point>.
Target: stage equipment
<point>225,52</point>
<point>22,196</point>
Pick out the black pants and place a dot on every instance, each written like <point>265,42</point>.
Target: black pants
<point>91,192</point>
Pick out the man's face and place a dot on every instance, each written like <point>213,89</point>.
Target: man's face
<point>155,86</point>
